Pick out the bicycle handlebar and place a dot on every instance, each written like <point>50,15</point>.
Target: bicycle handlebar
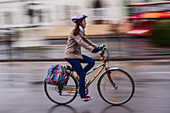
<point>102,53</point>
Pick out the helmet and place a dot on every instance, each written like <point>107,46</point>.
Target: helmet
<point>78,17</point>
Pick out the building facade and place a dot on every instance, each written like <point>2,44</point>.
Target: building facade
<point>57,12</point>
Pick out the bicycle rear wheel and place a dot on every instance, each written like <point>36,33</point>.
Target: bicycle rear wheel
<point>125,87</point>
<point>62,95</point>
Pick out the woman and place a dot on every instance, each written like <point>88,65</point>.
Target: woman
<point>73,55</point>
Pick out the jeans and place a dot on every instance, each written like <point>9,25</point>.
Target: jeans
<point>76,65</point>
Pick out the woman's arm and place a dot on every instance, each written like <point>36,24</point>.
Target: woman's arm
<point>78,38</point>
<point>87,40</point>
<point>90,42</point>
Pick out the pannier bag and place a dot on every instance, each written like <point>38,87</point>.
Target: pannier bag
<point>56,75</point>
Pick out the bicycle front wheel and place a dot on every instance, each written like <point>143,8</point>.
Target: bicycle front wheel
<point>125,87</point>
<point>62,95</point>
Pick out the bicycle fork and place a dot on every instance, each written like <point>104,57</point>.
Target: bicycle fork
<point>109,76</point>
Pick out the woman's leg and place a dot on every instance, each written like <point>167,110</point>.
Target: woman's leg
<point>88,60</point>
<point>80,71</point>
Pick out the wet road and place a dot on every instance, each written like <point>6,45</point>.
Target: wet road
<point>21,89</point>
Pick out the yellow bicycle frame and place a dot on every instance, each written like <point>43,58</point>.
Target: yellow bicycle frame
<point>102,65</point>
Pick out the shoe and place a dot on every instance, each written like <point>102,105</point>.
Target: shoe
<point>86,98</point>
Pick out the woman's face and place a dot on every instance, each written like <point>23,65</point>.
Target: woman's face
<point>84,23</point>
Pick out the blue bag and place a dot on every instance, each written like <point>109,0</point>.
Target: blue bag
<point>56,75</point>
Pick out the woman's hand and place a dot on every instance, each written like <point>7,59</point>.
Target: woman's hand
<point>95,50</point>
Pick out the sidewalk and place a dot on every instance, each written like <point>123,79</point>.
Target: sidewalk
<point>37,36</point>
<point>91,30</point>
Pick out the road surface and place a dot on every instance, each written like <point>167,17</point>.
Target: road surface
<point>21,89</point>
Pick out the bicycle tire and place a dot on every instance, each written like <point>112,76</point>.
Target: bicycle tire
<point>66,96</point>
<point>120,95</point>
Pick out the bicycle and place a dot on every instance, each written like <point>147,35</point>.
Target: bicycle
<point>115,86</point>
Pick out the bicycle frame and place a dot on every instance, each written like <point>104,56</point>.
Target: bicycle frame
<point>102,65</point>
<point>87,85</point>
<point>94,77</point>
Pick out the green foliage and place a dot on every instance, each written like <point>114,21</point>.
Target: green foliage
<point>161,33</point>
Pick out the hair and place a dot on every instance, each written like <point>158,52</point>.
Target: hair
<point>77,29</point>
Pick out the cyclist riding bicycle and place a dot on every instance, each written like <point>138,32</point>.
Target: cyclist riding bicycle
<point>73,54</point>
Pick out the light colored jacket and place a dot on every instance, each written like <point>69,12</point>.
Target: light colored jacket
<point>74,43</point>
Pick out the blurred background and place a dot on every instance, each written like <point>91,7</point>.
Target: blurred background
<point>33,36</point>
<point>30,28</point>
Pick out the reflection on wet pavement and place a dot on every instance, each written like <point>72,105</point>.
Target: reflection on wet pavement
<point>21,89</point>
